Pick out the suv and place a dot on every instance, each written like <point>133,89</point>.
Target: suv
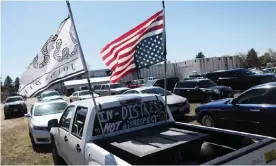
<point>239,79</point>
<point>109,89</point>
<point>160,83</point>
<point>203,90</point>
<point>14,105</point>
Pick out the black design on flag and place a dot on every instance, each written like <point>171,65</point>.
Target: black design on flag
<point>57,60</point>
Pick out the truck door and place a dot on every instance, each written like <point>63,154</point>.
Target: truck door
<point>76,144</point>
<point>63,131</point>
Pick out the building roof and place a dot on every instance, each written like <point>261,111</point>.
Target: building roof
<point>84,81</point>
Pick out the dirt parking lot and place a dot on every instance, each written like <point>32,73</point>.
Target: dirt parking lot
<point>16,145</point>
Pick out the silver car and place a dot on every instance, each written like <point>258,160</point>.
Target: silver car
<point>178,105</point>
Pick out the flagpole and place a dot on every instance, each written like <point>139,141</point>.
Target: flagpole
<point>165,57</point>
<point>84,63</point>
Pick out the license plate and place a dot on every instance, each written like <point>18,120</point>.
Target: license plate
<point>269,156</point>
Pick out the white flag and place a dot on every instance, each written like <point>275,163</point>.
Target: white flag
<point>59,59</point>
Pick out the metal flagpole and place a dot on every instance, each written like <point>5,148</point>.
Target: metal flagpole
<point>84,63</point>
<point>165,57</point>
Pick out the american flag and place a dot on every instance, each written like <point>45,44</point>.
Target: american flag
<point>140,47</point>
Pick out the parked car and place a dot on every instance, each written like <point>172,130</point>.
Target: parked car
<point>110,89</point>
<point>14,105</point>
<point>84,88</point>
<point>202,90</point>
<point>171,81</point>
<point>49,95</point>
<point>136,83</point>
<point>258,71</point>
<point>134,130</point>
<point>177,104</point>
<point>38,117</point>
<point>252,111</point>
<point>240,79</point>
<point>273,69</point>
<point>81,95</point>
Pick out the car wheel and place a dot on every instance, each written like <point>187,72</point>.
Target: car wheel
<point>208,98</point>
<point>57,159</point>
<point>207,120</point>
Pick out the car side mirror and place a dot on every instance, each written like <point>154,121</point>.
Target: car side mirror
<point>196,87</point>
<point>53,123</point>
<point>28,115</point>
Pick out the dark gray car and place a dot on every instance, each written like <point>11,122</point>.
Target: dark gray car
<point>14,105</point>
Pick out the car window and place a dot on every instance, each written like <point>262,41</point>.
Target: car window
<point>131,92</point>
<point>206,84</point>
<point>254,96</point>
<point>47,94</point>
<point>270,97</point>
<point>187,84</point>
<point>79,121</point>
<point>49,108</point>
<point>66,118</point>
<point>75,94</point>
<point>13,99</point>
<point>31,110</point>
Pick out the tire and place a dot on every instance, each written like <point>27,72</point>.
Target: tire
<point>56,158</point>
<point>207,120</point>
<point>208,98</point>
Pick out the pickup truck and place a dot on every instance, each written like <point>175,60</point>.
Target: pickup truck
<point>140,130</point>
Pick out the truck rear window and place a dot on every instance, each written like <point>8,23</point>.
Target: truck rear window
<point>129,116</point>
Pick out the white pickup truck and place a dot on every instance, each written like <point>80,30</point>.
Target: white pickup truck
<point>137,130</point>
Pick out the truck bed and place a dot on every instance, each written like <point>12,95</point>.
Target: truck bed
<point>181,144</point>
<point>144,146</point>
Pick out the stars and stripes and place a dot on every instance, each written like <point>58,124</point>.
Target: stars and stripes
<point>138,48</point>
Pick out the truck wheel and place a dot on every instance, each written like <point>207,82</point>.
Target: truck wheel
<point>208,98</point>
<point>207,120</point>
<point>57,159</point>
<point>7,116</point>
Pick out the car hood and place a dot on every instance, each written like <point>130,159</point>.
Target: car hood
<point>220,88</point>
<point>174,99</point>
<point>120,89</point>
<point>88,96</point>
<point>14,103</point>
<point>42,121</point>
<point>51,97</point>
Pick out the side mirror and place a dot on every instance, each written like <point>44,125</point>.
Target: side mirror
<point>196,87</point>
<point>27,115</point>
<point>52,123</point>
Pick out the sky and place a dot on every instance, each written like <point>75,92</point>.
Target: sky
<point>214,28</point>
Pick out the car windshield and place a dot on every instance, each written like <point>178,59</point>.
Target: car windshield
<point>13,99</point>
<point>113,86</point>
<point>47,94</point>
<point>84,93</point>
<point>141,81</point>
<point>157,91</point>
<point>247,72</point>
<point>206,84</point>
<point>49,108</point>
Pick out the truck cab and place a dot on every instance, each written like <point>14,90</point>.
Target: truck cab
<point>140,130</point>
